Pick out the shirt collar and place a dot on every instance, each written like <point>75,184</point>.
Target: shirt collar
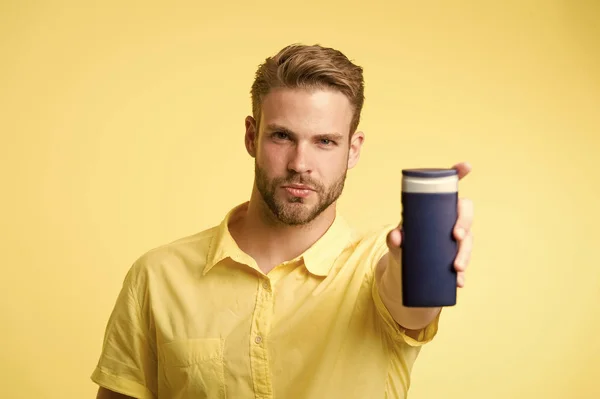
<point>318,259</point>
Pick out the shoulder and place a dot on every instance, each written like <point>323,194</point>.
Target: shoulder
<point>183,255</point>
<point>365,248</point>
<point>372,241</point>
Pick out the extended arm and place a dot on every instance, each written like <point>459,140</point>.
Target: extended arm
<point>389,276</point>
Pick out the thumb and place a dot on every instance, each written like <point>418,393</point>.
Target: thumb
<point>394,241</point>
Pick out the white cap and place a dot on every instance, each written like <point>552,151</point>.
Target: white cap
<point>429,180</point>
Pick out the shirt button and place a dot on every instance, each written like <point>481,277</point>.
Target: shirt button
<point>258,339</point>
<point>266,285</point>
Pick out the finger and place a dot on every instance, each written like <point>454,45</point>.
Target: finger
<point>460,279</point>
<point>465,218</point>
<point>463,169</point>
<point>394,239</point>
<point>465,247</point>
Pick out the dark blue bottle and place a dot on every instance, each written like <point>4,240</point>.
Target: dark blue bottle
<point>429,214</point>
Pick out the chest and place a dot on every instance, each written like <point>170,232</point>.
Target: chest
<point>252,333</point>
<point>232,301</point>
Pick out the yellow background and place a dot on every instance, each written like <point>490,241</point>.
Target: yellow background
<point>115,118</point>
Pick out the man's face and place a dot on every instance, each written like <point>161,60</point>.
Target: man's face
<point>303,152</point>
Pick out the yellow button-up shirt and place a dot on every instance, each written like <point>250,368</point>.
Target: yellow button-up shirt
<point>197,318</point>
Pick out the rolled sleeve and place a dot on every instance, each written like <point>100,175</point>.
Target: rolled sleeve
<point>396,331</point>
<point>125,386</point>
<point>127,363</point>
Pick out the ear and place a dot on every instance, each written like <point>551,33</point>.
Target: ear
<point>251,136</point>
<point>356,143</point>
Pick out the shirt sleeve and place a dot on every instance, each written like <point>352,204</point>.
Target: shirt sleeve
<point>395,330</point>
<point>127,362</point>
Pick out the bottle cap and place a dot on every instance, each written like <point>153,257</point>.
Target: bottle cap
<point>429,180</point>
<point>429,172</point>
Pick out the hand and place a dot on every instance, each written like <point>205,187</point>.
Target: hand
<point>462,232</point>
<point>462,229</point>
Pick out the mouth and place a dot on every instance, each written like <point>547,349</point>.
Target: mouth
<point>299,190</point>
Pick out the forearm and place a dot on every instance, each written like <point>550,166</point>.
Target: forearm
<point>389,280</point>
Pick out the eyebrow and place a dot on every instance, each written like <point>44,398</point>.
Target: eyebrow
<point>273,127</point>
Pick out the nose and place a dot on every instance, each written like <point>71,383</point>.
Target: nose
<point>299,160</point>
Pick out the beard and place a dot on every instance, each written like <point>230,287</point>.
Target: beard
<point>294,211</point>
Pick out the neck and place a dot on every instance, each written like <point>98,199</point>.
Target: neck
<point>270,242</point>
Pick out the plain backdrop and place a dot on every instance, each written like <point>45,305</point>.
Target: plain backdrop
<point>122,129</point>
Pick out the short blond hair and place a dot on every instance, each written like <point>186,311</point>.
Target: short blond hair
<point>315,66</point>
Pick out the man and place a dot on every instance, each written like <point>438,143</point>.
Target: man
<point>282,299</point>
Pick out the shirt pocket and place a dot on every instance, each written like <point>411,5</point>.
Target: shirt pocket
<point>194,368</point>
